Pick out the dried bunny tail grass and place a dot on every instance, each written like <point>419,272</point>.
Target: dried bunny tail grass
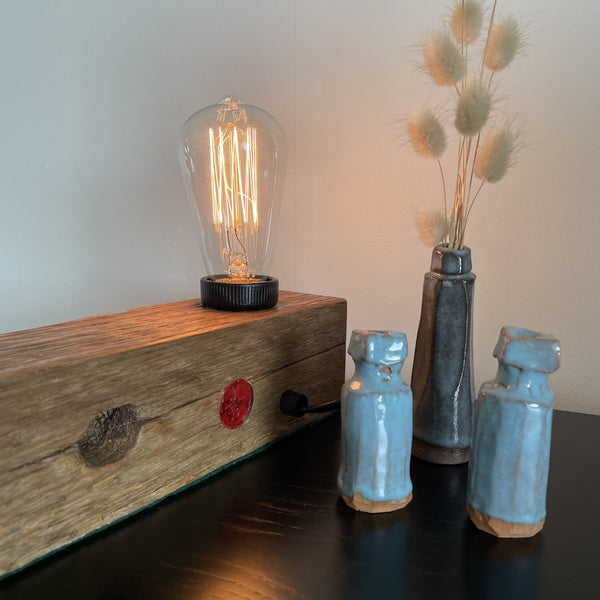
<point>466,21</point>
<point>504,43</point>
<point>426,133</point>
<point>443,59</point>
<point>432,227</point>
<point>496,155</point>
<point>472,109</point>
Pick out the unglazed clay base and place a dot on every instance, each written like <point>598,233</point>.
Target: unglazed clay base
<point>362,504</point>
<point>440,454</point>
<point>503,529</point>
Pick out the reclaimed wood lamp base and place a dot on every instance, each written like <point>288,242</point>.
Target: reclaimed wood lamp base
<point>107,415</point>
<point>503,529</point>
<point>440,454</point>
<point>362,504</point>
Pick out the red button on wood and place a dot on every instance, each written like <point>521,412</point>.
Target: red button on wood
<point>236,404</point>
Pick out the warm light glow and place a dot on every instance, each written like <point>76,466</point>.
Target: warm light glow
<point>232,158</point>
<point>233,178</point>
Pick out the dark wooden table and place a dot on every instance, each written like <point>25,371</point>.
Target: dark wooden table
<point>273,527</point>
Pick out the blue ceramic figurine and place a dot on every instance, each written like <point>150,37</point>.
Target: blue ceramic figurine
<point>376,411</point>
<point>510,454</point>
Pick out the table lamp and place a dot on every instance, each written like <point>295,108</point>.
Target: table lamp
<point>232,158</point>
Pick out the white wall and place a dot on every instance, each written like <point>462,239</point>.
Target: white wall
<point>93,217</point>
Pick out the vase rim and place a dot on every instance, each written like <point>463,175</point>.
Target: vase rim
<point>527,349</point>
<point>450,261</point>
<point>444,248</point>
<point>378,346</point>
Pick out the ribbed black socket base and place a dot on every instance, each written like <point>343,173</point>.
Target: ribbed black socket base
<point>222,295</point>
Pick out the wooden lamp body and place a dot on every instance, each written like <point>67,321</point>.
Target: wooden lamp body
<point>104,416</point>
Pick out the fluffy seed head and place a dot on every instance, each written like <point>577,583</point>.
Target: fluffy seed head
<point>495,156</point>
<point>432,227</point>
<point>467,18</point>
<point>443,59</point>
<point>472,109</point>
<point>505,41</point>
<point>426,133</point>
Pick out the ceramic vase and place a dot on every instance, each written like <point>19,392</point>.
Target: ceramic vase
<point>508,472</point>
<point>442,383</point>
<point>376,410</point>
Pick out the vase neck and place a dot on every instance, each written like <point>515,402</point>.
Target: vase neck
<point>375,373</point>
<point>525,382</point>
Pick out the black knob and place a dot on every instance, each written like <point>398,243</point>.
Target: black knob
<point>295,404</point>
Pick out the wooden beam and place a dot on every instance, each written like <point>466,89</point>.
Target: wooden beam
<point>104,416</point>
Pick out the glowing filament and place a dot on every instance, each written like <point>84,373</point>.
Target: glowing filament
<point>233,180</point>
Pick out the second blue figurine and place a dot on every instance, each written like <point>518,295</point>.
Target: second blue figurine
<point>508,473</point>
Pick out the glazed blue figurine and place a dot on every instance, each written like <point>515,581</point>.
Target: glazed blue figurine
<point>510,454</point>
<point>376,408</point>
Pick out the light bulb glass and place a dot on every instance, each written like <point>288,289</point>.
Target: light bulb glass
<point>232,157</point>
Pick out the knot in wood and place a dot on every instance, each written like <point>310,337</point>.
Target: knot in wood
<point>110,436</point>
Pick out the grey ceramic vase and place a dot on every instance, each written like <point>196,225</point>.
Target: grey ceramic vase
<point>442,382</point>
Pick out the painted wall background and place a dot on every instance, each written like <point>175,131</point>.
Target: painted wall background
<point>93,215</point>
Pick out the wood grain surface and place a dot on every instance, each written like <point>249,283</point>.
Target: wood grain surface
<point>103,416</point>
